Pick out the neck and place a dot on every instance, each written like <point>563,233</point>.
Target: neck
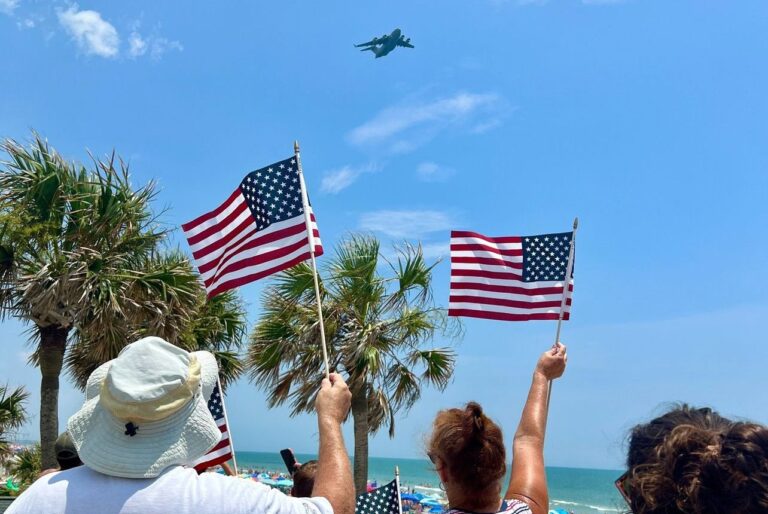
<point>486,501</point>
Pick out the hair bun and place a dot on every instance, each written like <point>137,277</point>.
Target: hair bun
<point>474,423</point>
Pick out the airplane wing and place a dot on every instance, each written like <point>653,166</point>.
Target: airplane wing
<point>373,42</point>
<point>405,42</point>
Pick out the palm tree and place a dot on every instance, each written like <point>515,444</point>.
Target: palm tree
<point>376,325</point>
<point>27,465</point>
<point>217,325</point>
<point>79,261</point>
<point>12,414</point>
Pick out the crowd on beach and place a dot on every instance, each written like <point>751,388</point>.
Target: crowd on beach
<point>145,421</point>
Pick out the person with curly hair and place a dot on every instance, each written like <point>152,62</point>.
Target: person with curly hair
<point>467,450</point>
<point>695,461</point>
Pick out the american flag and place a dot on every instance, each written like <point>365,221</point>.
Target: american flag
<point>222,452</point>
<point>384,500</point>
<point>259,230</point>
<point>509,278</point>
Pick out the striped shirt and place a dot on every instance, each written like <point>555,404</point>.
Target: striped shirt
<point>510,506</point>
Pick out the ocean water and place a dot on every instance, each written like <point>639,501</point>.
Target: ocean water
<point>582,491</point>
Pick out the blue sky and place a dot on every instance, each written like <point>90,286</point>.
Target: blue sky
<point>646,118</point>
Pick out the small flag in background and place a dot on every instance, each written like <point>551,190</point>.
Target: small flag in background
<point>259,230</point>
<point>384,500</point>
<point>509,278</point>
<point>222,452</point>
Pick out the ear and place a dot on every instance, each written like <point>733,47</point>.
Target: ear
<point>442,472</point>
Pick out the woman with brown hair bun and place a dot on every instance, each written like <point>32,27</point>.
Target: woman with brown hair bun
<point>467,449</point>
<point>694,461</point>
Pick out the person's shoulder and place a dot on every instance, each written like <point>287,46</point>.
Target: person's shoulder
<point>514,506</point>
<point>218,482</point>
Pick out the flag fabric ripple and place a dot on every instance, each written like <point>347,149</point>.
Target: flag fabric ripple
<point>222,452</point>
<point>259,230</point>
<point>509,278</point>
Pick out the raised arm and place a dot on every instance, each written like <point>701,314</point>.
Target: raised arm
<point>529,481</point>
<point>333,480</point>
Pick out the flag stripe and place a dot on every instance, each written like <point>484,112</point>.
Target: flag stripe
<point>492,261</point>
<point>504,316</point>
<point>459,234</point>
<point>223,225</point>
<point>484,306</point>
<point>231,283</point>
<point>257,244</point>
<point>459,283</point>
<point>247,233</point>
<point>258,257</point>
<point>516,251</point>
<point>479,251</point>
<point>224,443</point>
<point>506,302</point>
<point>201,222</point>
<point>505,275</point>
<point>206,252</point>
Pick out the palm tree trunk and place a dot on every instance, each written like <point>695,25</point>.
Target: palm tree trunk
<point>53,341</point>
<point>360,417</point>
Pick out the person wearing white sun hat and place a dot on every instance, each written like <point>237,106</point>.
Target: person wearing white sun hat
<point>145,416</point>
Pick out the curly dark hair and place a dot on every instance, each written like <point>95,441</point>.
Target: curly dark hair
<point>695,461</point>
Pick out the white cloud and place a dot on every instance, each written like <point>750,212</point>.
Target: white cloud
<point>485,126</point>
<point>8,6</point>
<point>137,46</point>
<point>153,45</point>
<point>337,180</point>
<point>159,46</point>
<point>432,172</point>
<point>401,121</point>
<point>26,23</point>
<point>93,34</point>
<point>405,224</point>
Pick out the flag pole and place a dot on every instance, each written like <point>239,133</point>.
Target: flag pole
<point>397,485</point>
<point>566,288</point>
<point>229,427</point>
<point>311,237</point>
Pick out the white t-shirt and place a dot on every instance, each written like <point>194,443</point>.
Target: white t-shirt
<point>178,490</point>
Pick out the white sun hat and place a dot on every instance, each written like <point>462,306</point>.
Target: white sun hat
<point>147,410</point>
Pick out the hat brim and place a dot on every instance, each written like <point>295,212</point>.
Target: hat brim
<point>181,438</point>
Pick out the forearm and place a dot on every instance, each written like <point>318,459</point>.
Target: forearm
<point>528,481</point>
<point>334,476</point>
<point>533,423</point>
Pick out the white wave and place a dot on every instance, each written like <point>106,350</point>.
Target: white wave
<point>599,508</point>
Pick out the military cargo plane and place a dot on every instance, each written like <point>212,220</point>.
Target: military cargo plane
<point>381,46</point>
